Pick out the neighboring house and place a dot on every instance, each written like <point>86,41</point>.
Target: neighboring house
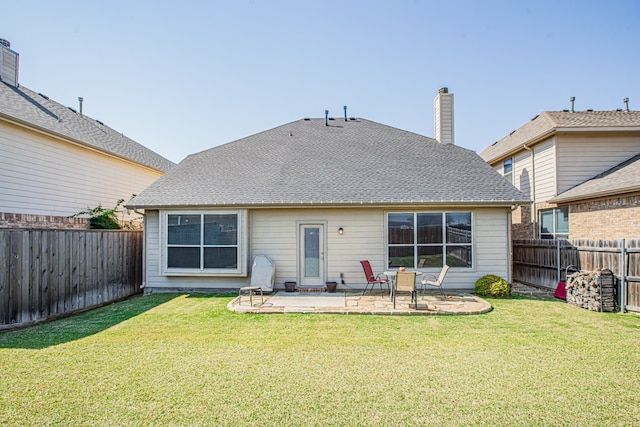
<point>319,195</point>
<point>56,161</point>
<point>557,160</point>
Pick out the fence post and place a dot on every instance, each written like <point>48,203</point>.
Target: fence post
<point>623,278</point>
<point>558,267</point>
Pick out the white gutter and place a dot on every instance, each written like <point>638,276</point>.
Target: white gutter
<point>534,214</point>
<point>144,247</point>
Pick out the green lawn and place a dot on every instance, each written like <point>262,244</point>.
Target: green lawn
<point>186,360</point>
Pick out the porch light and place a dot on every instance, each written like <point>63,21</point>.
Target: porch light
<point>341,231</point>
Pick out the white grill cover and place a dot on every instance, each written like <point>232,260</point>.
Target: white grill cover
<point>263,273</point>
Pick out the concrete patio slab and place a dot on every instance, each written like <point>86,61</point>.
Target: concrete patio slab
<point>356,303</point>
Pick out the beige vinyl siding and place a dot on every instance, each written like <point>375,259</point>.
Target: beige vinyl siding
<point>47,176</point>
<point>491,249</point>
<point>523,172</point>
<point>581,157</point>
<point>545,170</point>
<point>273,232</point>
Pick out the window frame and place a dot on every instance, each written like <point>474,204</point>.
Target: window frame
<point>241,245</point>
<point>443,244</point>
<point>508,175</point>
<point>554,234</point>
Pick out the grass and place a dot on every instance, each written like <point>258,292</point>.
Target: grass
<point>186,360</point>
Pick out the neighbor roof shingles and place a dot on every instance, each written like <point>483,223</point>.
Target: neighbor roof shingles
<point>356,162</point>
<point>550,121</point>
<point>30,108</point>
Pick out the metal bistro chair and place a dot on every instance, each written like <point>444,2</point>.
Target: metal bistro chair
<point>406,282</point>
<point>436,282</point>
<point>372,279</point>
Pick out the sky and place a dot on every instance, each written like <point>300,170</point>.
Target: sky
<point>183,76</point>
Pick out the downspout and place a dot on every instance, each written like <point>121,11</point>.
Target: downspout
<point>144,248</point>
<point>534,213</point>
<point>510,243</point>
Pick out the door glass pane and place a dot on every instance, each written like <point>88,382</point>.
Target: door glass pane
<point>311,252</point>
<point>400,228</point>
<point>183,230</point>
<point>459,227</point>
<point>429,228</point>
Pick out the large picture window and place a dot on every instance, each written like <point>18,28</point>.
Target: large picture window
<point>429,239</point>
<point>204,242</point>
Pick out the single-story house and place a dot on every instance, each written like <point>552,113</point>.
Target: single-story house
<point>56,161</point>
<point>319,195</point>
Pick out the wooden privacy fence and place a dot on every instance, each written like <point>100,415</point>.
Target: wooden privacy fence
<point>543,263</point>
<point>47,273</point>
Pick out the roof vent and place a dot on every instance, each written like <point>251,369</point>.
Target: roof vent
<point>572,99</point>
<point>326,117</point>
<point>345,113</point>
<point>8,64</point>
<point>43,95</point>
<point>626,104</point>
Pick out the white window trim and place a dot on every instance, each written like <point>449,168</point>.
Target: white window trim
<point>554,234</point>
<point>243,246</point>
<point>509,176</point>
<point>473,243</point>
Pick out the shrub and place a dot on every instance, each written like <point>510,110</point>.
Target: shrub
<point>107,219</point>
<point>492,286</point>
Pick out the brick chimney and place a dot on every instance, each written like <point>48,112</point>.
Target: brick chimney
<point>443,116</point>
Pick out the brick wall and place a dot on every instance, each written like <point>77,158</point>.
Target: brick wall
<point>13,220</point>
<point>609,219</point>
<point>521,226</point>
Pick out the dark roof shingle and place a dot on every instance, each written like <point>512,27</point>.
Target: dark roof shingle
<point>31,108</point>
<point>354,162</point>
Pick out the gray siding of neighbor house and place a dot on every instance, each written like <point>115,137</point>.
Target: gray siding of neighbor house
<point>581,157</point>
<point>273,232</point>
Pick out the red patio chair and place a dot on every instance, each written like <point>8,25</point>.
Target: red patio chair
<point>372,279</point>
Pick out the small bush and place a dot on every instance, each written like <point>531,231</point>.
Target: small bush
<point>493,286</point>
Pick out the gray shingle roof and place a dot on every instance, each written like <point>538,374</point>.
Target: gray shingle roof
<point>357,162</point>
<point>28,107</point>
<point>623,178</point>
<point>550,121</point>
